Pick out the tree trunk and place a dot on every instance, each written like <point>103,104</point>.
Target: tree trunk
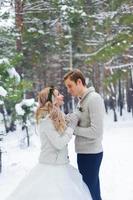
<point>19,23</point>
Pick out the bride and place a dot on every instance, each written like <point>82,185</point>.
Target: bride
<point>53,178</point>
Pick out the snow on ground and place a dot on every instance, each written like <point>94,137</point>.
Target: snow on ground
<point>117,166</point>
<point>116,170</point>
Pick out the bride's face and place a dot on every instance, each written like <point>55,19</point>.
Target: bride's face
<point>58,98</point>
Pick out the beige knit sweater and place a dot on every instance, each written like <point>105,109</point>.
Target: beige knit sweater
<point>89,132</point>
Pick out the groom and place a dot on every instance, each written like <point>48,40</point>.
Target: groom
<point>89,132</point>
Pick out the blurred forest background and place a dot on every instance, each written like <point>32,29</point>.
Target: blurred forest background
<point>40,40</point>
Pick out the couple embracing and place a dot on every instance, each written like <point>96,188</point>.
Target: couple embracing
<point>53,178</point>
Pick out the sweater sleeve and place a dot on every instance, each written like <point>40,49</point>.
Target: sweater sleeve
<point>96,110</point>
<point>59,141</point>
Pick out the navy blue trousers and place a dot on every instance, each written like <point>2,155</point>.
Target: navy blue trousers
<point>89,165</point>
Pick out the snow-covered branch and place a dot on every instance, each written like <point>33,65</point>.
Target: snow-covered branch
<point>13,74</point>
<point>121,66</point>
<point>129,56</point>
<point>25,103</point>
<point>4,61</point>
<point>110,61</point>
<point>3,92</point>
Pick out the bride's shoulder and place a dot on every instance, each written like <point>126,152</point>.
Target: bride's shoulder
<point>44,124</point>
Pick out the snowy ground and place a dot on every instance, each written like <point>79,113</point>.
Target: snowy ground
<point>117,166</point>
<point>116,170</point>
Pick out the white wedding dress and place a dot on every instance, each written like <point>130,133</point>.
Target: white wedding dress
<point>52,181</point>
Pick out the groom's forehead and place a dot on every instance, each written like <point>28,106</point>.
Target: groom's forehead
<point>69,82</point>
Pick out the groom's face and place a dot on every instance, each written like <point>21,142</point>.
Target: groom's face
<point>72,87</point>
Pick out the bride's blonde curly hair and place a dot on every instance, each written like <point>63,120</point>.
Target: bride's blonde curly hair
<point>47,107</point>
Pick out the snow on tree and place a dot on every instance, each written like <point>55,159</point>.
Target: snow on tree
<point>3,92</point>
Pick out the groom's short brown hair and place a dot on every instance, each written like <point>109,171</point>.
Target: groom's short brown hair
<point>74,75</point>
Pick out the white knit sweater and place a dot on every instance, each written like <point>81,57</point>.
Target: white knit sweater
<point>53,145</point>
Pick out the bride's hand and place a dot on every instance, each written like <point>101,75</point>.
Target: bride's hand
<point>72,120</point>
